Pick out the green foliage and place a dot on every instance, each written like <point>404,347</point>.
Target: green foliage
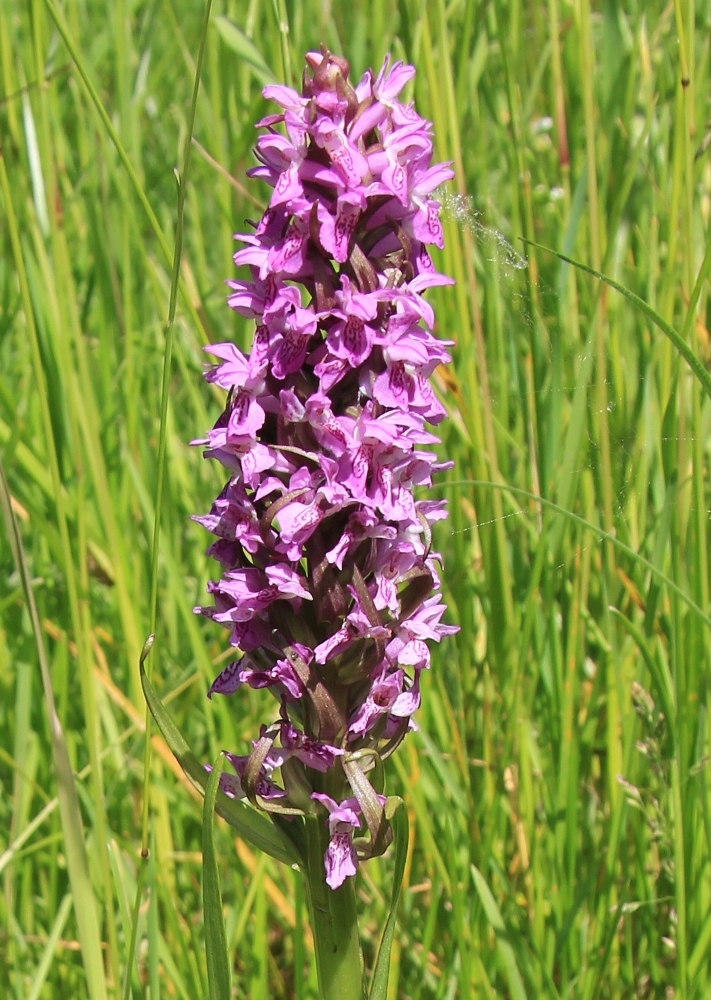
<point>558,788</point>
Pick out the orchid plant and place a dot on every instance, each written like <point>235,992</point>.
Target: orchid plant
<point>329,582</point>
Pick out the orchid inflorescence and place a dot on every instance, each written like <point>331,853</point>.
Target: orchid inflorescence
<point>329,582</point>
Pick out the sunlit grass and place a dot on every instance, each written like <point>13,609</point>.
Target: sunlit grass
<point>534,870</point>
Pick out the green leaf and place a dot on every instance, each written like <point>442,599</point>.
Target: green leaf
<point>666,328</point>
<point>246,49</point>
<point>249,824</point>
<point>701,278</point>
<point>218,966</point>
<point>401,831</point>
<point>505,949</point>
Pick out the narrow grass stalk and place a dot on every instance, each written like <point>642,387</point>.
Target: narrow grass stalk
<point>601,399</point>
<point>40,976</point>
<point>165,387</point>
<point>62,319</point>
<point>218,969</point>
<point>667,329</point>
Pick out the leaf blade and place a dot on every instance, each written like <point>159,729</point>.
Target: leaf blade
<point>674,336</point>
<point>251,825</point>
<point>243,47</point>
<point>218,966</point>
<point>401,835</point>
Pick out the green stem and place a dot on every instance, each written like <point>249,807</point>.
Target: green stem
<point>334,923</point>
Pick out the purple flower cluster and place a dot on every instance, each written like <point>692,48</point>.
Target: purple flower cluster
<point>329,582</point>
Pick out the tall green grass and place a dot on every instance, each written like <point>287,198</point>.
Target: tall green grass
<point>558,787</point>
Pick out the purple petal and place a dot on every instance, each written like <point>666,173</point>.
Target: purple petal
<point>313,753</point>
<point>408,702</point>
<point>292,408</point>
<point>230,785</point>
<point>347,812</point>
<point>339,641</point>
<point>289,355</point>
<point>335,232</point>
<point>227,681</point>
<point>432,178</point>
<point>395,179</point>
<point>289,256</point>
<point>247,415</point>
<point>234,369</point>
<point>288,582</point>
<point>330,803</point>
<point>391,81</point>
<point>426,225</point>
<point>284,96</point>
<point>415,654</point>
<point>340,860</point>
<point>288,187</point>
<point>367,121</point>
<point>351,340</point>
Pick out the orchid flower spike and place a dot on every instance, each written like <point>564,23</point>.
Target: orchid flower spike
<point>329,583</point>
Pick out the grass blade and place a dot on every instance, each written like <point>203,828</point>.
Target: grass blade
<point>505,949</point>
<point>401,836</point>
<point>48,953</point>
<point>38,191</point>
<point>666,328</point>
<point>165,386</point>
<point>245,49</point>
<point>659,672</point>
<point>218,969</point>
<point>123,155</point>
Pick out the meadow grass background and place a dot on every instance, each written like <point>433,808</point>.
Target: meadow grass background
<point>558,788</point>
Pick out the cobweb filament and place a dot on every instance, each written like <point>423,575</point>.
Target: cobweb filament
<point>499,250</point>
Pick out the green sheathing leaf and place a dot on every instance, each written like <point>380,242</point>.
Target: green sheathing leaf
<point>253,826</point>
